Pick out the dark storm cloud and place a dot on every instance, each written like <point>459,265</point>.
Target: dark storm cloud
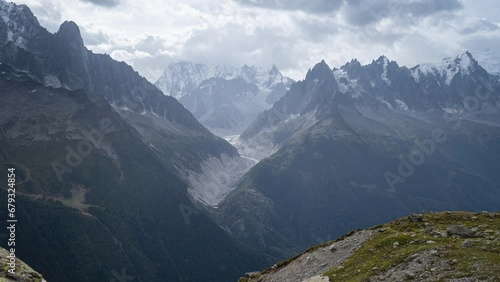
<point>309,6</point>
<point>103,3</point>
<point>362,12</point>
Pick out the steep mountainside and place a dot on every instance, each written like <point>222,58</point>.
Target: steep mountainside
<point>366,144</point>
<point>94,200</point>
<point>451,246</point>
<point>61,60</point>
<point>224,99</point>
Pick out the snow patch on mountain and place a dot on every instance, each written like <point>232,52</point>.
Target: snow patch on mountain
<point>347,83</point>
<point>401,105</point>
<point>5,10</point>
<point>384,74</point>
<point>10,14</point>
<point>52,81</point>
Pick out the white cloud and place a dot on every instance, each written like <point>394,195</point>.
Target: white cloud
<point>292,34</point>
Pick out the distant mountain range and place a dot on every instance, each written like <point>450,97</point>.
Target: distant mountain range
<point>360,145</point>
<point>224,99</point>
<point>426,88</point>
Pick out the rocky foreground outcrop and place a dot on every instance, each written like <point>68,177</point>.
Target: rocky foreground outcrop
<point>23,273</point>
<point>445,246</point>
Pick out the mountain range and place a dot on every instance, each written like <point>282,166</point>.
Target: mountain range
<point>224,99</point>
<point>117,177</point>
<point>363,144</point>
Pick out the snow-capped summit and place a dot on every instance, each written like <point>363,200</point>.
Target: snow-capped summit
<point>224,99</point>
<point>17,24</point>
<point>181,78</point>
<point>448,68</point>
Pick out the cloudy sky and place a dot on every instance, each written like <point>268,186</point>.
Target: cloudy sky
<point>293,34</point>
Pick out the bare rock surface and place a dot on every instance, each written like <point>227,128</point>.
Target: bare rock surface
<point>309,265</point>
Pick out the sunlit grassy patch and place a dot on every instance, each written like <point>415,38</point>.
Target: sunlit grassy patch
<point>395,243</point>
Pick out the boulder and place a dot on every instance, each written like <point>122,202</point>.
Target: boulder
<point>460,230</point>
<point>468,243</point>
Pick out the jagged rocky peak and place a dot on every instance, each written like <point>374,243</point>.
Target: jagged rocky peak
<point>248,73</point>
<point>462,62</point>
<point>352,68</point>
<point>10,11</point>
<point>69,32</point>
<point>320,71</point>
<point>381,59</point>
<point>274,70</point>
